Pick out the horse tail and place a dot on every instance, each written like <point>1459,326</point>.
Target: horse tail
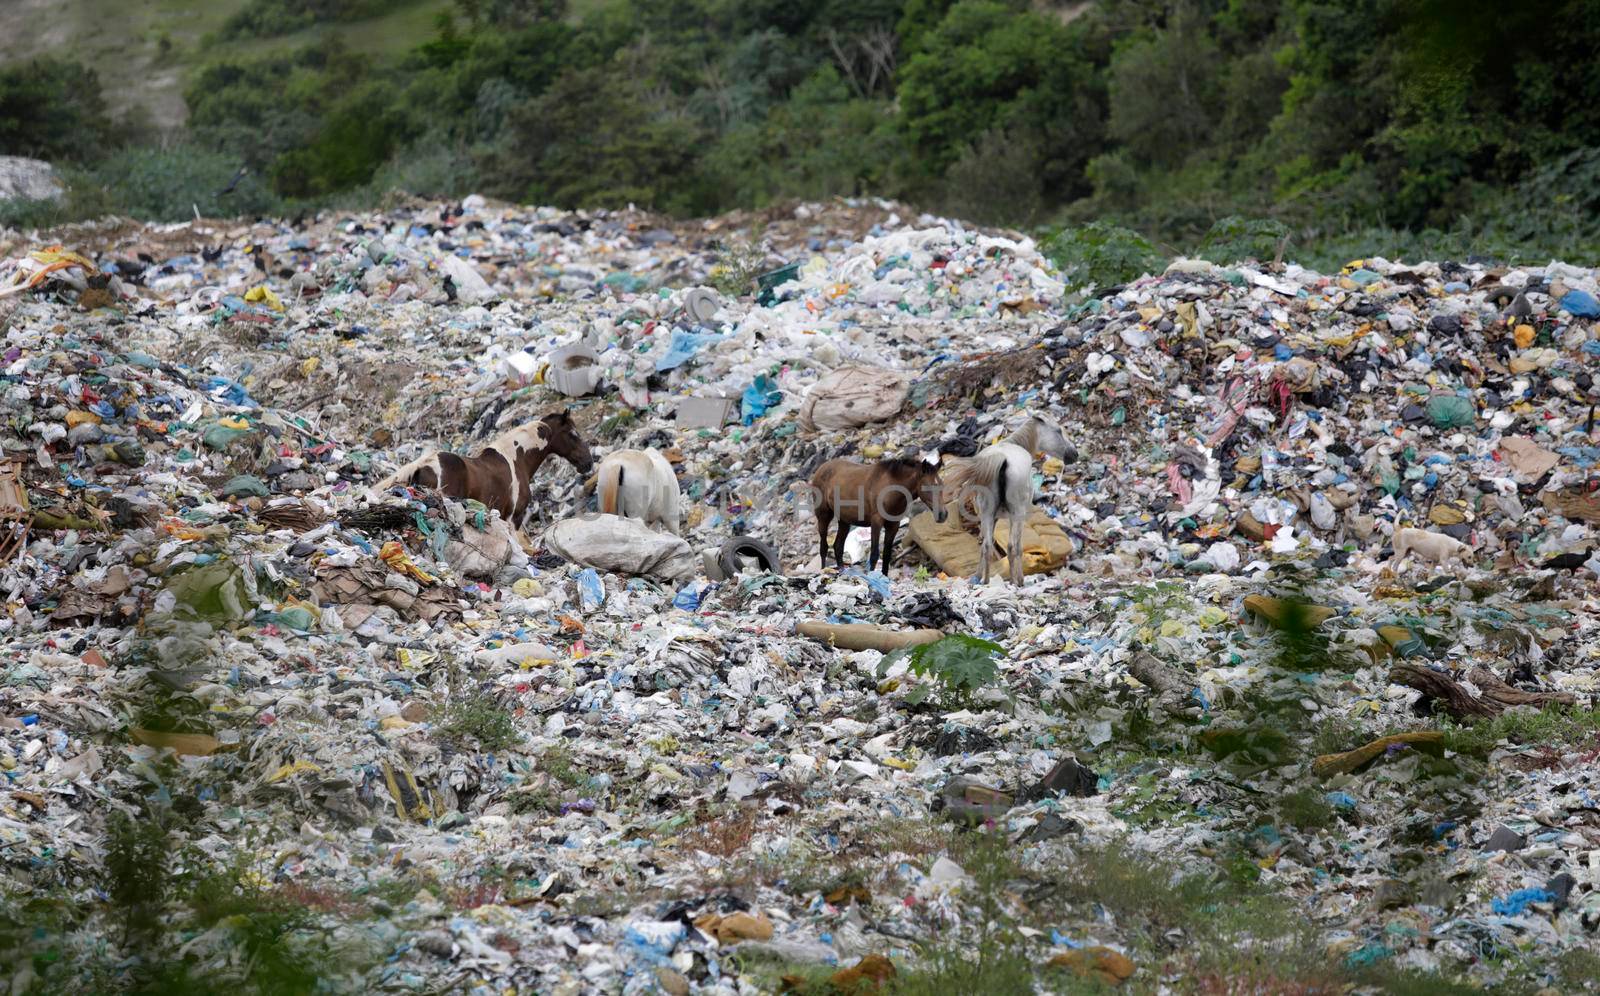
<point>404,474</point>
<point>610,488</point>
<point>984,474</point>
<point>979,472</point>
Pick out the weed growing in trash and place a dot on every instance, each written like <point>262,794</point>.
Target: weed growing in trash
<point>51,933</point>
<point>1101,254</point>
<point>738,265</point>
<point>537,798</point>
<point>1146,806</point>
<point>990,954</point>
<point>1159,602</point>
<point>393,891</point>
<point>1265,727</point>
<point>1555,725</point>
<point>138,872</point>
<point>1305,809</point>
<point>961,664</point>
<point>187,925</point>
<point>558,763</point>
<point>1336,734</point>
<point>471,714</point>
<point>723,835</point>
<point>279,935</point>
<point>1218,932</point>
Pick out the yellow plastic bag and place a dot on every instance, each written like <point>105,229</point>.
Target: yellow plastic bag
<point>262,294</point>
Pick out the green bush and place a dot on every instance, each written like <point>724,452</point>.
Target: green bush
<point>597,138</point>
<point>961,665</point>
<point>997,180</point>
<point>1234,239</point>
<point>53,109</point>
<point>819,143</point>
<point>170,184</point>
<point>271,18</point>
<point>433,167</point>
<point>1102,255</point>
<point>474,718</point>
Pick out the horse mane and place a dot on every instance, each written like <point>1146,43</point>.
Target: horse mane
<point>1026,435</point>
<point>899,463</point>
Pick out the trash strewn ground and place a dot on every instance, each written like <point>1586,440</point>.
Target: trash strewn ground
<point>382,737</point>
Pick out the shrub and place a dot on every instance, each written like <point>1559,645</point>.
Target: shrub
<point>1233,239</point>
<point>474,715</point>
<point>52,109</point>
<point>961,664</point>
<point>1101,255</point>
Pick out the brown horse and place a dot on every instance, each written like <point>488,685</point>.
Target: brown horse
<point>877,495</point>
<point>502,474</point>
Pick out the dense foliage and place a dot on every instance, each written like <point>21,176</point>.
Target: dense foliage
<point>270,18</point>
<point>1391,125</point>
<point>52,109</point>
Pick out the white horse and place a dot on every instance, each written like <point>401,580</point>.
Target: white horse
<point>640,484</point>
<point>1001,476</point>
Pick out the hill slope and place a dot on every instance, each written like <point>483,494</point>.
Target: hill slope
<point>144,49</point>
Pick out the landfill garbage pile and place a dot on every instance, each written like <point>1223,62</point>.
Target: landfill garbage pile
<point>1309,625</point>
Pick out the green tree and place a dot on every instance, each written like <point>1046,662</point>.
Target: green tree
<point>989,67</point>
<point>820,142</point>
<point>1164,91</point>
<point>53,109</point>
<point>597,139</point>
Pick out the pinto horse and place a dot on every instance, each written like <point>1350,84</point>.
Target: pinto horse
<point>877,495</point>
<point>500,476</point>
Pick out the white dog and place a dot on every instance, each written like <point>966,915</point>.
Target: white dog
<point>1435,547</point>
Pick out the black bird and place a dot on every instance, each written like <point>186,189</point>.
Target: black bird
<point>1569,561</point>
<point>233,183</point>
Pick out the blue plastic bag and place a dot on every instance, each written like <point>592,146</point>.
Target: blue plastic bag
<point>683,347</point>
<point>758,397</point>
<point>1581,304</point>
<point>591,591</point>
<point>1518,902</point>
<point>688,597</point>
<point>230,391</point>
<point>653,941</point>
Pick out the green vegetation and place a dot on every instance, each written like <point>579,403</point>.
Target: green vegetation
<point>1102,254</point>
<point>1556,727</point>
<point>52,109</point>
<point>472,717</point>
<point>1208,931</point>
<point>556,761</point>
<point>270,18</point>
<point>1124,130</point>
<point>961,665</point>
<point>176,914</point>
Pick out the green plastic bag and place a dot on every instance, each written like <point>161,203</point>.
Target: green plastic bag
<point>220,437</point>
<point>1449,411</point>
<point>213,592</point>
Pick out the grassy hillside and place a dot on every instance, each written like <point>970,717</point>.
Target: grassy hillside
<point>145,49</point>
<point>1324,129</point>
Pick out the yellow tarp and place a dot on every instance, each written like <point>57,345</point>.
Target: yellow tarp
<point>1045,547</point>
